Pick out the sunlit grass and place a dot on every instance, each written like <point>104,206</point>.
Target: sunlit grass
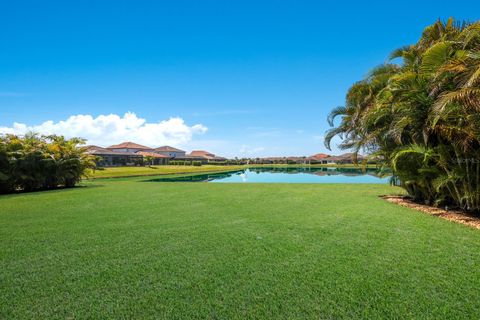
<point>126,248</point>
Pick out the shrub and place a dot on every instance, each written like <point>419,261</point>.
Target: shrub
<point>35,162</point>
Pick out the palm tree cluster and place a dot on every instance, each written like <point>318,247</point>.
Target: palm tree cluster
<point>422,116</point>
<point>34,162</point>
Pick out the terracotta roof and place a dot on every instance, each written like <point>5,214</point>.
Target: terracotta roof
<point>168,149</point>
<point>201,153</point>
<point>319,156</point>
<point>152,154</point>
<point>129,145</point>
<point>96,150</point>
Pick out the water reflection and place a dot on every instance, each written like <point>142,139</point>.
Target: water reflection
<point>285,175</point>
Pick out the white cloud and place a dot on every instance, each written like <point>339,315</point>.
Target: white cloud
<point>111,129</point>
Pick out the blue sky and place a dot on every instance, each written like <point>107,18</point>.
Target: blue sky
<point>258,78</point>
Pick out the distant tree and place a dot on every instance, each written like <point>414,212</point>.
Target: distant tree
<point>149,160</point>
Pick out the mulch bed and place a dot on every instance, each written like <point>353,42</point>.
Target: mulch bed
<point>451,215</point>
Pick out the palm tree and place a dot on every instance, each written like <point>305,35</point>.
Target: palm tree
<point>149,160</point>
<point>422,116</point>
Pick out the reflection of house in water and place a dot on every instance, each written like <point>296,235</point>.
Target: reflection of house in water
<point>243,174</point>
<point>325,171</point>
<point>351,172</point>
<point>198,177</point>
<point>319,158</point>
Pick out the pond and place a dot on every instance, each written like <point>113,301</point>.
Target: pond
<point>285,175</point>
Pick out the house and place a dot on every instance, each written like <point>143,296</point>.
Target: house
<point>157,158</point>
<point>297,160</point>
<point>201,154</point>
<point>346,158</point>
<point>317,158</point>
<point>205,156</point>
<point>112,158</point>
<point>282,160</point>
<point>130,153</point>
<point>270,160</point>
<point>129,147</point>
<point>170,152</point>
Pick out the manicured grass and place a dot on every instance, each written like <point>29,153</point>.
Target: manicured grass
<point>126,248</point>
<point>114,172</point>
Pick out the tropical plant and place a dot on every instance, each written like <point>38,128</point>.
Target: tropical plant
<point>149,160</point>
<point>34,162</point>
<point>422,116</point>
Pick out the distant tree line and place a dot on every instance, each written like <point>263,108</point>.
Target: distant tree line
<point>422,116</point>
<point>33,162</point>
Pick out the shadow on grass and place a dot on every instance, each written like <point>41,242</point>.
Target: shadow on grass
<point>48,191</point>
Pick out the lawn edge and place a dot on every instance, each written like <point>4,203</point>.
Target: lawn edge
<point>456,216</point>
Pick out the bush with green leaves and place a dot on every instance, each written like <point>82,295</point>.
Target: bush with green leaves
<point>34,162</point>
<point>422,116</point>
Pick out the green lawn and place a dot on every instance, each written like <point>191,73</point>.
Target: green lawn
<point>126,248</point>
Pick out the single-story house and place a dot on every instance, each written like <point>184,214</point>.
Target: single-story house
<point>112,158</point>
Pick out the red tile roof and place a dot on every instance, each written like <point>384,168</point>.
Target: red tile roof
<point>129,145</point>
<point>319,156</point>
<point>201,153</point>
<point>96,150</point>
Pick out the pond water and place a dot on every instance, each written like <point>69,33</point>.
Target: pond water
<point>285,175</point>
